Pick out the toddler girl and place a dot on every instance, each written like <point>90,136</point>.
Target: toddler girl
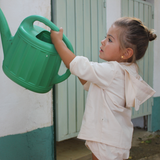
<point>113,87</point>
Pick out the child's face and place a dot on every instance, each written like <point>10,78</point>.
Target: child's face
<point>110,48</point>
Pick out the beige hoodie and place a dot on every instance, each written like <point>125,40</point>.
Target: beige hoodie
<point>113,88</point>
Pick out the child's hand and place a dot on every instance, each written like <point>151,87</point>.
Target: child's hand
<point>66,55</point>
<point>56,36</point>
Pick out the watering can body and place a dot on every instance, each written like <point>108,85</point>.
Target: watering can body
<point>30,58</point>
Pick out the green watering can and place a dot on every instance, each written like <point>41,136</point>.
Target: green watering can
<point>30,58</point>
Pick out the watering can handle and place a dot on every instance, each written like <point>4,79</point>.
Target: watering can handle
<point>30,20</point>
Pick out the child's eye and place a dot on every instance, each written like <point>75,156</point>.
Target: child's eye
<point>109,40</point>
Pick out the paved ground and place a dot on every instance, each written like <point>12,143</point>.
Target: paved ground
<point>74,149</point>
<point>155,157</point>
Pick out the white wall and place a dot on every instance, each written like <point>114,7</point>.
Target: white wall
<point>113,11</point>
<point>22,110</point>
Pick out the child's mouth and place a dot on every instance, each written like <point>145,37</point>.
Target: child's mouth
<point>101,50</point>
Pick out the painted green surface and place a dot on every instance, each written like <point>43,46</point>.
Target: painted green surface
<point>156,114</point>
<point>34,145</point>
<point>84,23</point>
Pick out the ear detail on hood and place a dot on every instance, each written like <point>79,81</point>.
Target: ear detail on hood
<point>136,91</point>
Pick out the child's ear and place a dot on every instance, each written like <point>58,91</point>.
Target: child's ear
<point>128,53</point>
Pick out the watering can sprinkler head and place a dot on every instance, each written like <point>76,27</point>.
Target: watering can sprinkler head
<point>5,33</point>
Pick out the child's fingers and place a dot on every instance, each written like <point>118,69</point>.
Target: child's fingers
<point>51,31</point>
<point>56,35</point>
<point>61,30</point>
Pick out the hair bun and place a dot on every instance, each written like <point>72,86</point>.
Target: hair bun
<point>151,35</point>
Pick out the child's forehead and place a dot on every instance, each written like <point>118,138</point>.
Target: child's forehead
<point>110,35</point>
<point>114,31</point>
<point>114,28</point>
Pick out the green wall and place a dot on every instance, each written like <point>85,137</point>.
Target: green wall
<point>156,114</point>
<point>34,145</point>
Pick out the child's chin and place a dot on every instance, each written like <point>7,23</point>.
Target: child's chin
<point>100,56</point>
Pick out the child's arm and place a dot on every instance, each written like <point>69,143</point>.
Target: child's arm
<point>82,81</point>
<point>66,55</point>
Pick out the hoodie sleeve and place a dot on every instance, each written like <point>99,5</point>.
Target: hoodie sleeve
<point>136,91</point>
<point>100,74</point>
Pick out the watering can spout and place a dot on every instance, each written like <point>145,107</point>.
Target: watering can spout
<point>5,33</point>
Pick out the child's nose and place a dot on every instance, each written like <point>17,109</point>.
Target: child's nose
<point>102,42</point>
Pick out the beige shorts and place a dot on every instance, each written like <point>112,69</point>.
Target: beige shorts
<point>106,152</point>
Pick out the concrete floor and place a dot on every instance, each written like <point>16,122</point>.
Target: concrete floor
<point>72,149</point>
<point>75,149</point>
